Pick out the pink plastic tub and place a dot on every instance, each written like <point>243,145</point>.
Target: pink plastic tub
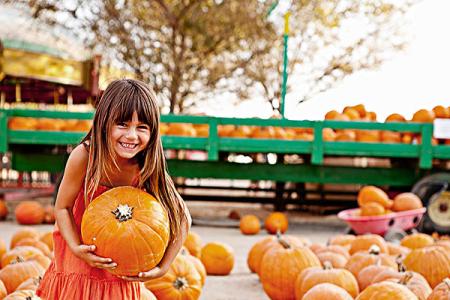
<point>404,220</point>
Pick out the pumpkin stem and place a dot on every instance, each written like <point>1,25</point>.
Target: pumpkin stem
<point>405,278</point>
<point>123,212</point>
<point>374,249</point>
<point>181,283</point>
<point>399,261</point>
<point>327,265</point>
<point>282,241</point>
<point>17,259</point>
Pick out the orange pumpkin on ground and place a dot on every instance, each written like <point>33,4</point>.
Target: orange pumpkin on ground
<point>417,240</point>
<point>441,291</point>
<point>310,277</point>
<point>360,260</point>
<point>275,222</point>
<point>21,252</point>
<point>338,261</point>
<point>342,239</point>
<point>249,224</point>
<point>146,294</point>
<point>366,241</point>
<point>182,281</point>
<point>128,225</point>
<point>326,291</point>
<point>14,274</point>
<point>47,238</point>
<point>406,201</point>
<point>256,253</point>
<point>415,282</point>
<point>29,284</point>
<point>29,213</point>
<point>22,233</point>
<point>218,258</point>
<point>366,275</point>
<point>193,243</point>
<point>280,267</point>
<point>2,248</point>
<point>36,244</point>
<point>372,193</point>
<point>386,290</point>
<point>433,262</point>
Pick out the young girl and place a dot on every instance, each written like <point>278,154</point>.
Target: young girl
<point>122,148</point>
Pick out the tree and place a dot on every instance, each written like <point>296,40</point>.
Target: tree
<point>192,50</point>
<point>185,49</point>
<point>330,40</point>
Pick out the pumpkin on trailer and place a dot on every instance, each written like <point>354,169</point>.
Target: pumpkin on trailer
<point>129,226</point>
<point>406,201</point>
<point>182,281</point>
<point>276,221</point>
<point>249,224</point>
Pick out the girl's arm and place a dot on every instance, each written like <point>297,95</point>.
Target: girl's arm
<point>172,251</point>
<point>71,184</point>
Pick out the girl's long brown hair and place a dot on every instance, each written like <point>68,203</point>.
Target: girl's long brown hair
<point>118,103</point>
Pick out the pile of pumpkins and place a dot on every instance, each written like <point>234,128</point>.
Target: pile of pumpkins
<point>349,113</point>
<point>373,201</point>
<point>29,212</point>
<point>352,267</point>
<point>30,253</point>
<point>24,263</point>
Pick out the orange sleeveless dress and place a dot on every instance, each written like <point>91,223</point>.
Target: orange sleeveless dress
<point>70,278</point>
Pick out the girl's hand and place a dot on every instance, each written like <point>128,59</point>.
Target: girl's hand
<point>145,276</point>
<point>84,252</point>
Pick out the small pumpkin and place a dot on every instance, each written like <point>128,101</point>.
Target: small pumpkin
<point>30,284</point>
<point>417,240</point>
<point>276,221</point>
<point>218,258</point>
<point>406,201</point>
<point>47,238</point>
<point>326,291</point>
<point>29,213</point>
<point>386,290</point>
<point>362,259</point>
<point>342,239</point>
<point>441,291</point>
<point>249,224</point>
<point>21,252</point>
<point>372,209</point>
<point>182,281</point>
<point>22,233</point>
<point>193,243</point>
<point>364,242</point>
<point>129,226</point>
<point>311,277</point>
<point>372,193</point>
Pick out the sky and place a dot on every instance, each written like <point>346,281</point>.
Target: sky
<point>413,79</point>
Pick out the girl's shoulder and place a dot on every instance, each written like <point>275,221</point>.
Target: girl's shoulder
<point>79,157</point>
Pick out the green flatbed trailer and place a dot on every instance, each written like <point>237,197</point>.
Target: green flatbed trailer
<point>34,151</point>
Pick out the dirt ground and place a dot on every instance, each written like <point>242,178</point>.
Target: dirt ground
<point>211,222</point>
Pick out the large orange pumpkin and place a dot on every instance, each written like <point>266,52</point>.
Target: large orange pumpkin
<point>29,213</point>
<point>182,281</point>
<point>129,226</point>
<point>276,221</point>
<point>417,240</point>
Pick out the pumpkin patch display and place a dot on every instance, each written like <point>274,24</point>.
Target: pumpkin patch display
<point>129,226</point>
<point>193,243</point>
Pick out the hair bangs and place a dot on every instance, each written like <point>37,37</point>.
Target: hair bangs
<point>133,101</point>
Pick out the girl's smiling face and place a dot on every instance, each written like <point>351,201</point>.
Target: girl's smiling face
<point>130,137</point>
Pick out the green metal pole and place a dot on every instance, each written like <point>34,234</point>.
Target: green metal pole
<point>285,63</point>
